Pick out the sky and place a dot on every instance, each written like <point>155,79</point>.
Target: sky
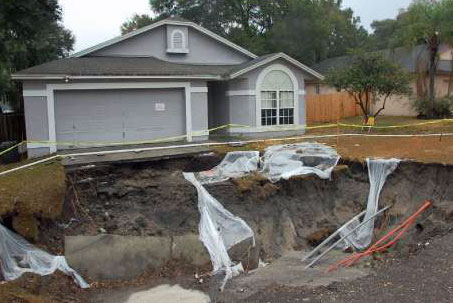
<point>94,21</point>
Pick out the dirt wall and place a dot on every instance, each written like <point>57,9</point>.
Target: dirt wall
<point>153,199</point>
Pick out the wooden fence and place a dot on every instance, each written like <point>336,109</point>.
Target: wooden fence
<point>330,107</point>
<point>12,127</point>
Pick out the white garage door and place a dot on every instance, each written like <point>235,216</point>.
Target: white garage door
<point>108,116</point>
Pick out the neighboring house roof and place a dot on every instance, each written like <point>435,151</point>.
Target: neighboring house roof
<point>406,57</point>
<point>143,67</point>
<point>168,21</point>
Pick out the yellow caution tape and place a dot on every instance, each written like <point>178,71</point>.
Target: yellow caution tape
<point>203,132</point>
<point>12,148</point>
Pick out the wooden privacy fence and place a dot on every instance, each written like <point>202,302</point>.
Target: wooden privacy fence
<point>330,107</point>
<point>12,127</point>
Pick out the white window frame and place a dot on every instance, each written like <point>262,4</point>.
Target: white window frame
<point>296,94</point>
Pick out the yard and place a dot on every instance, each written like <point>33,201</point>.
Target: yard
<point>378,142</point>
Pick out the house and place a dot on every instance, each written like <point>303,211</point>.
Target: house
<point>415,60</point>
<point>171,79</point>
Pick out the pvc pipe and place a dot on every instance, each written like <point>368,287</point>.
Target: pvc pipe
<point>342,238</point>
<point>331,237</point>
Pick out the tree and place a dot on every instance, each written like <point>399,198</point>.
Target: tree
<point>135,22</point>
<point>427,22</point>
<point>30,34</point>
<point>309,30</point>
<point>369,78</point>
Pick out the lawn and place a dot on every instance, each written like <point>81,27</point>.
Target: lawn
<point>436,149</point>
<point>417,126</point>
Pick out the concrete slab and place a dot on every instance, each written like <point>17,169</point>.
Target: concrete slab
<point>127,155</point>
<point>288,271</point>
<point>113,257</point>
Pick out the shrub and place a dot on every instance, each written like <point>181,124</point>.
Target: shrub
<point>443,107</point>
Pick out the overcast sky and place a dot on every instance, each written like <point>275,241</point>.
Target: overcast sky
<point>94,21</point>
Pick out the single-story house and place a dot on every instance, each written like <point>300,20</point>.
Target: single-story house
<point>415,60</point>
<point>171,79</point>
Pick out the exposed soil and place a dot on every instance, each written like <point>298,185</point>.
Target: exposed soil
<point>154,199</point>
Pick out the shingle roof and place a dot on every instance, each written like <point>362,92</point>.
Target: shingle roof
<point>142,66</point>
<point>404,56</point>
<point>123,66</point>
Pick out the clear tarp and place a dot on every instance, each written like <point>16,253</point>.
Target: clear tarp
<point>285,161</point>
<point>219,231</point>
<point>17,257</point>
<point>378,171</point>
<point>234,165</point>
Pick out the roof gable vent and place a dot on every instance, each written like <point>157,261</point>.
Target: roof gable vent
<point>177,40</point>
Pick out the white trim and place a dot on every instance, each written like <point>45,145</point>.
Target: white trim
<point>64,77</point>
<point>177,50</point>
<point>263,129</point>
<point>199,89</point>
<point>259,81</point>
<point>34,93</point>
<point>160,23</point>
<point>301,92</point>
<point>51,88</point>
<point>240,93</point>
<point>125,85</point>
<point>275,57</point>
<point>188,112</point>
<point>38,145</point>
<point>172,48</point>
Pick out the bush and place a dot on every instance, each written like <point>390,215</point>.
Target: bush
<point>443,107</point>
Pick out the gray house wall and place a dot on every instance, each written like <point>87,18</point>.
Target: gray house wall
<point>202,48</point>
<point>37,120</point>
<point>241,109</point>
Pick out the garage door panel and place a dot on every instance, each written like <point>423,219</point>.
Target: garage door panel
<point>107,116</point>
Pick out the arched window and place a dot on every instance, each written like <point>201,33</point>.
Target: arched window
<point>177,40</point>
<point>277,99</point>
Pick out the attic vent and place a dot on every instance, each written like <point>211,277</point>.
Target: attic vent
<point>178,42</point>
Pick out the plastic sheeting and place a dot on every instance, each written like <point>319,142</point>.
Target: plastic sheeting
<point>17,257</point>
<point>378,171</point>
<point>234,165</point>
<point>285,161</point>
<point>219,230</point>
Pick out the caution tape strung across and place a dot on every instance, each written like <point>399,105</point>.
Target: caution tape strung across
<point>205,132</point>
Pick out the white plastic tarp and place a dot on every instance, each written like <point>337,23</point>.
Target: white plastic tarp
<point>378,171</point>
<point>219,230</point>
<point>234,165</point>
<point>285,161</point>
<point>17,257</point>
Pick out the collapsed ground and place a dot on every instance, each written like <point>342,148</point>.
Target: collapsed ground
<point>153,199</point>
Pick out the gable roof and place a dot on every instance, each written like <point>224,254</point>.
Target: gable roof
<point>147,67</point>
<point>406,57</point>
<point>260,61</point>
<point>168,21</point>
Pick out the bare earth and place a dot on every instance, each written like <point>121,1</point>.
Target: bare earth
<point>424,276</point>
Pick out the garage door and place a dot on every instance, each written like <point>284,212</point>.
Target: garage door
<point>107,116</point>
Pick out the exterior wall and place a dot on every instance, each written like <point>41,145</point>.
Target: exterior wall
<point>202,48</point>
<point>37,120</point>
<point>37,129</point>
<point>240,104</point>
<point>199,110</point>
